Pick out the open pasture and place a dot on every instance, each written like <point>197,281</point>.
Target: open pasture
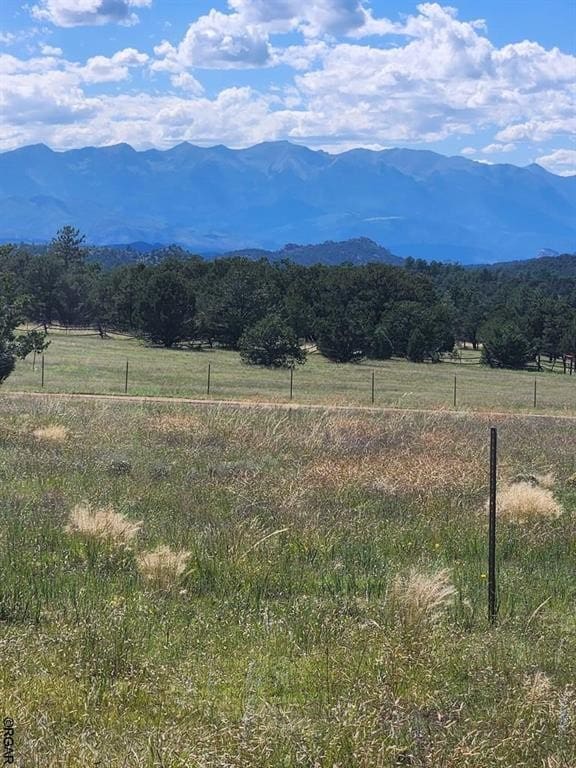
<point>89,364</point>
<point>324,602</point>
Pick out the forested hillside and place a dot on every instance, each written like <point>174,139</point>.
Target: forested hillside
<point>349,312</point>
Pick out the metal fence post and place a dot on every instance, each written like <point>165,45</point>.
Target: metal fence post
<point>492,607</point>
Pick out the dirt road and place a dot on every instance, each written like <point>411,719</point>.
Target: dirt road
<point>290,406</point>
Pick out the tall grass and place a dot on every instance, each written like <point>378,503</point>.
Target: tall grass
<point>301,591</point>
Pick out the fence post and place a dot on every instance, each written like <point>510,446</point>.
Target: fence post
<point>372,387</point>
<point>208,381</point>
<point>126,380</point>
<point>42,370</point>
<point>535,385</point>
<point>291,381</point>
<point>492,608</point>
<point>34,361</point>
<point>455,391</point>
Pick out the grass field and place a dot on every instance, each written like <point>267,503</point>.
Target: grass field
<point>80,363</point>
<point>331,609</point>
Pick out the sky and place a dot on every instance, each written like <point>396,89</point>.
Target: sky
<point>492,80</point>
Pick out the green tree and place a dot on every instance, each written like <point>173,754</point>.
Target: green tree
<point>342,337</point>
<point>381,347</point>
<point>417,346</point>
<point>166,308</point>
<point>67,245</point>
<point>13,345</point>
<point>504,345</point>
<point>272,343</point>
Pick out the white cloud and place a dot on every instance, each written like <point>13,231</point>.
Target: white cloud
<point>443,78</point>
<point>217,41</point>
<point>561,161</point>
<point>187,82</point>
<point>314,18</point>
<point>101,69</point>
<point>7,38</point>
<point>43,92</point>
<point>241,39</point>
<point>542,129</point>
<point>493,149</point>
<point>76,13</point>
<point>50,50</point>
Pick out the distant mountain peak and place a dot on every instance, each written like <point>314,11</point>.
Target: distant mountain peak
<point>417,202</point>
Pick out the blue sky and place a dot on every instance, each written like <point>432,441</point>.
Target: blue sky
<point>493,80</point>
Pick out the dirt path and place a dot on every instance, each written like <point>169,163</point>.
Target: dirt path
<point>264,405</point>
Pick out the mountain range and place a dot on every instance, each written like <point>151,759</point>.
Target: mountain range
<point>214,200</point>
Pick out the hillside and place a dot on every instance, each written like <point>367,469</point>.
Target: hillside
<point>417,203</point>
<point>359,250</point>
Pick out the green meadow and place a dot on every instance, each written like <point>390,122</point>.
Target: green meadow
<point>215,587</point>
<point>89,364</point>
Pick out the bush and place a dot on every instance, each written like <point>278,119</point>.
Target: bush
<point>417,347</point>
<point>381,348</point>
<point>505,346</point>
<point>7,363</point>
<point>270,342</point>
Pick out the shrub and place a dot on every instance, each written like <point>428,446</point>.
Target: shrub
<point>417,347</point>
<point>505,346</point>
<point>271,343</point>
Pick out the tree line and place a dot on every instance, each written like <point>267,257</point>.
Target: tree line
<point>270,312</point>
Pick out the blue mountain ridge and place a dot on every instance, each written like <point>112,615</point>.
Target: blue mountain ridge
<point>215,199</point>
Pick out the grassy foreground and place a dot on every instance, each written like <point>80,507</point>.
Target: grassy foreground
<point>81,363</point>
<point>310,627</point>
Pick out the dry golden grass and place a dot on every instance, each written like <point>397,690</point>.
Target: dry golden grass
<point>421,598</point>
<point>400,473</point>
<point>52,434</point>
<point>546,480</point>
<point>537,688</point>
<point>102,523</point>
<point>170,423</point>
<point>162,566</point>
<point>523,502</point>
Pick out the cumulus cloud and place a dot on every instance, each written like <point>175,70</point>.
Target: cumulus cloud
<point>217,41</point>
<point>50,50</point>
<point>241,39</point>
<point>492,149</point>
<point>561,161</point>
<point>103,69</point>
<point>48,90</point>
<point>187,82</point>
<point>447,79</point>
<point>314,18</point>
<point>77,13</point>
<point>441,78</point>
